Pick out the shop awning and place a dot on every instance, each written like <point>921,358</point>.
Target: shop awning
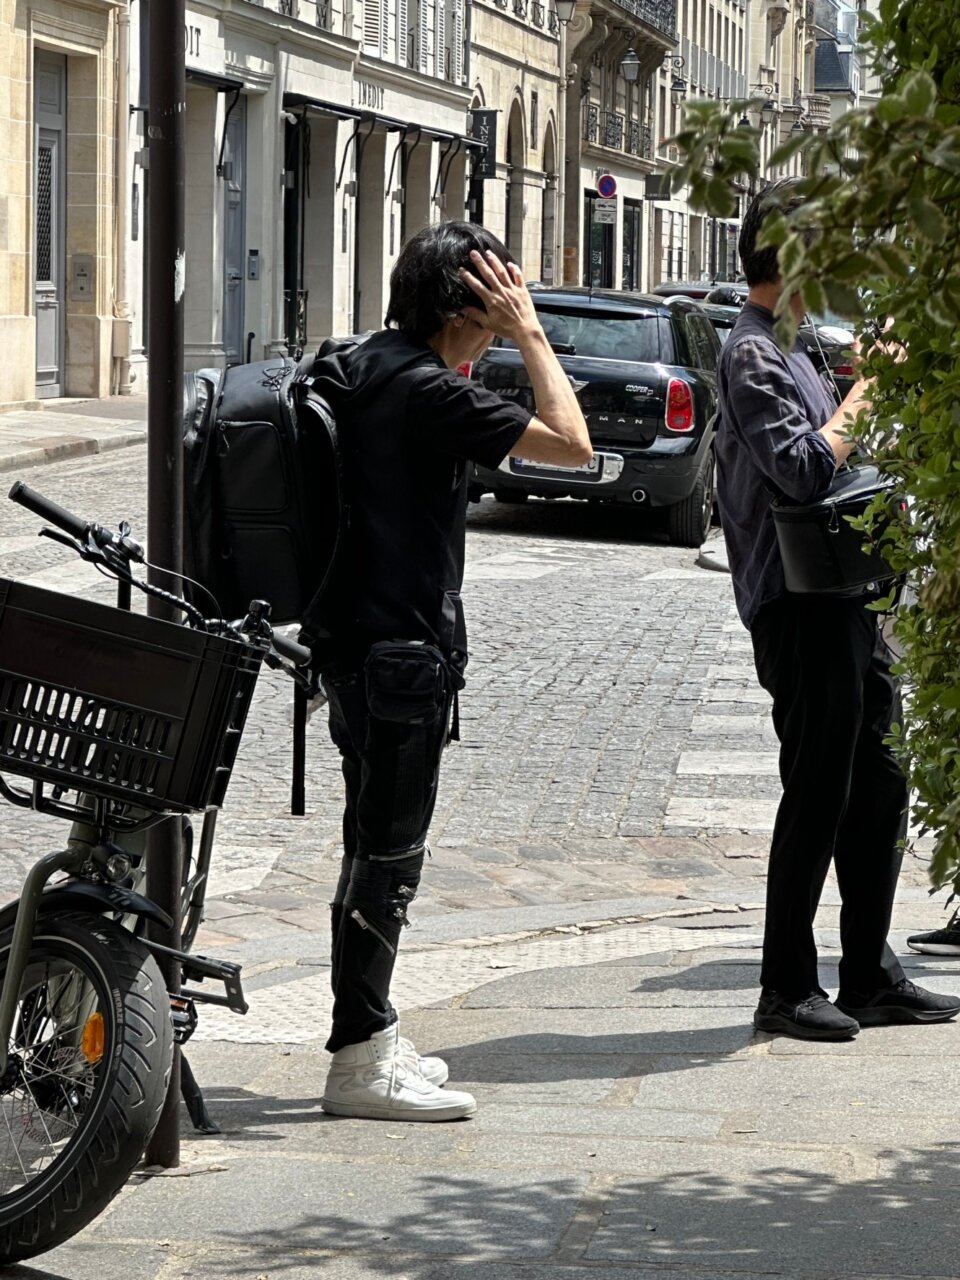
<point>292,101</point>
<point>222,84</point>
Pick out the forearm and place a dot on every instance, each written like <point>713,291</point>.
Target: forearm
<point>556,403</point>
<point>836,431</point>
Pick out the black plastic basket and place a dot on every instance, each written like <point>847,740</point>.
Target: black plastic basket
<point>821,550</point>
<point>116,704</point>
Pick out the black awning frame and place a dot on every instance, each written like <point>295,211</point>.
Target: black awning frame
<point>390,123</point>
<point>208,80</point>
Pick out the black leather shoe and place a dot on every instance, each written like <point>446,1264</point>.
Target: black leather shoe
<point>812,1018</point>
<point>901,1003</point>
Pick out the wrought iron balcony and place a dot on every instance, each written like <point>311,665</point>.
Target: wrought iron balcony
<point>640,140</point>
<point>553,23</point>
<point>660,14</point>
<point>289,8</point>
<point>591,123</point>
<point>520,8</point>
<point>323,14</point>
<point>539,13</point>
<point>613,129</point>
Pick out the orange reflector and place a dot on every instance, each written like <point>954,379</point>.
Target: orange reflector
<point>93,1037</point>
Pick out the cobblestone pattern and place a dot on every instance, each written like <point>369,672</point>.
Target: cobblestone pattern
<point>599,656</point>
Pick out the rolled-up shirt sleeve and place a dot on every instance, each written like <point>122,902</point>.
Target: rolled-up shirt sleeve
<point>773,424</point>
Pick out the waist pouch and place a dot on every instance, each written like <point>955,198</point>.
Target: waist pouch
<point>409,681</point>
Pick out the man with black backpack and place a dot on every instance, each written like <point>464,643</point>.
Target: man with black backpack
<point>388,633</point>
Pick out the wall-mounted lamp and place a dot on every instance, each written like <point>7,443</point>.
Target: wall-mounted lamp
<point>678,86</point>
<point>630,67</point>
<point>768,108</point>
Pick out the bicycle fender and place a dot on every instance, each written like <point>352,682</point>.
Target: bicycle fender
<point>96,899</point>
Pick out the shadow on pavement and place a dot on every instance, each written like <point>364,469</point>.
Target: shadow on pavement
<point>771,1219</point>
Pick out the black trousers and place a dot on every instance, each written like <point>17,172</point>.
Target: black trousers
<point>845,797</point>
<point>390,771</point>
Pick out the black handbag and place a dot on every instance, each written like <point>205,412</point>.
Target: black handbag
<point>821,551</point>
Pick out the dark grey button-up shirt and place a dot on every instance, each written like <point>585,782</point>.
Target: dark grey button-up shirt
<point>772,406</point>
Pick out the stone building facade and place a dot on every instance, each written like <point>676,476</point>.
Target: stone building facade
<point>61,304</point>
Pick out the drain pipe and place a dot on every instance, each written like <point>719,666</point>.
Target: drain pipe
<point>122,320</point>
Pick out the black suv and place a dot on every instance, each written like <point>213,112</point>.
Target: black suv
<point>645,373</point>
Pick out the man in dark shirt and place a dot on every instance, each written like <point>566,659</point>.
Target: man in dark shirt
<point>389,634</point>
<point>822,659</point>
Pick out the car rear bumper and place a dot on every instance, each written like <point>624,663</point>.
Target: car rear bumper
<point>658,476</point>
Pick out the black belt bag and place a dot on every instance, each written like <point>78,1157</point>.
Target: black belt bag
<point>409,682</point>
<point>821,550</point>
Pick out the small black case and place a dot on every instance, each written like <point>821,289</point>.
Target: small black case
<point>821,551</point>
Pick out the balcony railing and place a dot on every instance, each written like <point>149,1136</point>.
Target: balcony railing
<point>539,13</point>
<point>661,14</point>
<point>640,140</point>
<point>520,8</point>
<point>553,23</point>
<point>613,129</point>
<point>591,124</point>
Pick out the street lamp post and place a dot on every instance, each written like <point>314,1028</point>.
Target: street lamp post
<point>678,86</point>
<point>166,264</point>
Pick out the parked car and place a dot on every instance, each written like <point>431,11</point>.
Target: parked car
<point>682,289</point>
<point>645,371</point>
<point>827,344</point>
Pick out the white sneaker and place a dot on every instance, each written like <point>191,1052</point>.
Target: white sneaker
<point>372,1081</point>
<point>434,1070</point>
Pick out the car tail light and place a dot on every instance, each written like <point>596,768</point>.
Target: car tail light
<point>844,370</point>
<point>679,406</point>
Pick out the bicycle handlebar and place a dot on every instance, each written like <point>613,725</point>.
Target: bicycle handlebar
<point>51,511</point>
<point>296,653</point>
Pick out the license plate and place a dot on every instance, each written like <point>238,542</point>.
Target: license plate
<point>591,468</point>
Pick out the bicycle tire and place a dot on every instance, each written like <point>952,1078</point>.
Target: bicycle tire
<point>115,1105</point>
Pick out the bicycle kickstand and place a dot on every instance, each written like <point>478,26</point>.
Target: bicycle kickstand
<point>192,1095</point>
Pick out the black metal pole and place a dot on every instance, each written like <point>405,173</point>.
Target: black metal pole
<point>166,265</point>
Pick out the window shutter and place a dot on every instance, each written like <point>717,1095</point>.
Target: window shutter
<point>371,27</point>
<point>440,40</point>
<point>402,20</point>
<point>423,34</point>
<point>388,30</point>
<point>457,37</point>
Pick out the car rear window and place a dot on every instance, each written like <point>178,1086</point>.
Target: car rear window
<point>601,335</point>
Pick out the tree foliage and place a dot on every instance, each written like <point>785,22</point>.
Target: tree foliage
<point>883,200</point>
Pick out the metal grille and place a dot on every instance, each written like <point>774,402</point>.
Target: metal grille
<point>591,123</point>
<point>553,22</point>
<point>288,7</point>
<point>520,8</point>
<point>45,213</point>
<point>640,141</point>
<point>612,129</point>
<point>538,13</point>
<point>323,14</point>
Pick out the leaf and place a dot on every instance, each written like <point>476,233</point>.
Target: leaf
<point>929,221</point>
<point>842,297</point>
<point>919,93</point>
<point>894,259</point>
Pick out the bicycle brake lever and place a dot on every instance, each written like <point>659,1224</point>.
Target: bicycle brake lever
<point>64,539</point>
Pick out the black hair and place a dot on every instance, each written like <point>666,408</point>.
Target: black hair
<point>760,266</point>
<point>425,285</point>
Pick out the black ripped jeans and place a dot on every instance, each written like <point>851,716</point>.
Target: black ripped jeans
<point>391,771</point>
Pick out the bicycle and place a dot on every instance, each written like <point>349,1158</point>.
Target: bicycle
<point>139,721</point>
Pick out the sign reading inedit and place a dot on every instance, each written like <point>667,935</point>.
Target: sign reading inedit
<point>607,186</point>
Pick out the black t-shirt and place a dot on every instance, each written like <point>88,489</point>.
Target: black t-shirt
<point>408,427</point>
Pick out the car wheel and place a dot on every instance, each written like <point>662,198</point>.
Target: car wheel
<point>510,495</point>
<point>689,520</point>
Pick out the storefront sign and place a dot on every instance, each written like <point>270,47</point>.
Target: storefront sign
<point>653,187</point>
<point>483,127</point>
<point>370,95</point>
<point>191,40</point>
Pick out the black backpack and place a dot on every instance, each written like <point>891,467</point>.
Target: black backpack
<point>264,511</point>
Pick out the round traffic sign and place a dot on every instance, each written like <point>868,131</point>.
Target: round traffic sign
<point>607,186</point>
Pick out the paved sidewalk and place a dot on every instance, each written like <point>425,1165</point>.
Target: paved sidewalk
<point>64,429</point>
<point>631,1127</point>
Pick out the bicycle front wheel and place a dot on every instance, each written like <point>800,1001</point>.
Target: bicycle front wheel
<point>89,1064</point>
